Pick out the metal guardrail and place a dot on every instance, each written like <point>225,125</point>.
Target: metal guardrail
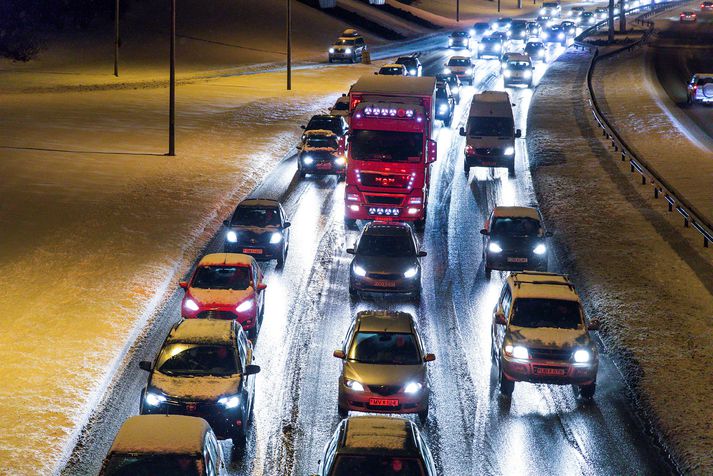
<point>691,216</point>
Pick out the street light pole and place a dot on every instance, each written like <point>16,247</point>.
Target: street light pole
<point>116,39</point>
<point>289,45</point>
<point>498,6</point>
<point>457,10</point>
<point>172,85</point>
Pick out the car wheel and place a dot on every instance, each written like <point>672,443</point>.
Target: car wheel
<point>342,412</point>
<point>252,333</point>
<point>303,174</point>
<point>587,391</point>
<point>353,293</point>
<point>511,170</point>
<point>239,435</point>
<point>350,223</point>
<point>488,272</point>
<point>466,169</point>
<point>281,258</point>
<point>423,416</point>
<point>506,386</point>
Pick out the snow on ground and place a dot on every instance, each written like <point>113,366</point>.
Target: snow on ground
<point>656,136</point>
<point>97,224</point>
<point>648,280</point>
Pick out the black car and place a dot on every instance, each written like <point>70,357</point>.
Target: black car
<point>480,30</point>
<point>519,31</point>
<point>514,240</point>
<point>453,82</point>
<point>588,19</point>
<point>502,24</point>
<point>204,369</point>
<point>570,28</point>
<point>386,260</point>
<point>554,34</point>
<point>459,39</point>
<point>536,51</point>
<point>412,64</point>
<point>544,21</point>
<point>534,30</point>
<point>328,122</point>
<point>260,229</point>
<point>321,154</point>
<point>445,103</point>
<point>490,47</point>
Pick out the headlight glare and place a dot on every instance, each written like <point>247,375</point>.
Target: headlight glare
<point>413,387</point>
<point>509,150</point>
<point>527,74</point>
<point>275,238</point>
<point>354,385</point>
<point>244,306</point>
<point>358,270</point>
<point>154,399</point>
<point>348,51</point>
<point>494,248</point>
<point>443,108</point>
<point>540,249</point>
<point>446,70</point>
<point>231,236</point>
<point>411,272</point>
<point>340,160</point>
<point>520,352</point>
<point>230,402</point>
<point>331,50</point>
<point>191,305</point>
<point>582,356</point>
<point>307,160</point>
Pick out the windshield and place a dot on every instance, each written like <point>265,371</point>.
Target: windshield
<point>341,106</point>
<point>481,27</point>
<point>491,39</point>
<point>197,360</point>
<point>459,34</point>
<point>222,277</point>
<point>152,465</point>
<point>490,126</point>
<point>393,70</point>
<point>259,217</point>
<point>515,226</point>
<point>329,142</point>
<point>518,64</point>
<point>534,46</point>
<point>441,94</point>
<point>386,146</point>
<point>390,246</point>
<point>406,61</point>
<point>388,348</point>
<point>345,42</point>
<point>327,124</point>
<point>459,62</point>
<point>376,465</point>
<point>557,313</point>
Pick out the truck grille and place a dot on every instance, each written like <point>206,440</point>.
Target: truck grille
<point>369,179</point>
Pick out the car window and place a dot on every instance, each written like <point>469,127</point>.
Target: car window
<point>391,70</point>
<point>389,348</point>
<point>345,42</point>
<point>151,465</point>
<point>376,465</point>
<point>490,126</point>
<point>507,300</point>
<point>536,312</point>
<point>254,216</point>
<point>459,62</point>
<point>341,106</point>
<point>390,246</point>
<point>197,359</point>
<point>222,277</point>
<point>515,226</point>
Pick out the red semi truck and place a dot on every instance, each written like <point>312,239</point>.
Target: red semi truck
<point>390,150</point>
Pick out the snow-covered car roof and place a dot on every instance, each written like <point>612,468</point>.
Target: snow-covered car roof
<point>379,433</point>
<point>385,321</point>
<point>517,57</point>
<point>319,132</point>
<point>226,259</point>
<point>161,434</point>
<point>203,331</point>
<point>350,32</point>
<point>259,202</point>
<point>519,212</point>
<point>394,65</point>
<point>533,284</point>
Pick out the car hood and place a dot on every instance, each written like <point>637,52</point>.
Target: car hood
<point>195,388</point>
<point>374,374</point>
<point>517,242</point>
<point>217,297</point>
<point>549,337</point>
<point>384,265</point>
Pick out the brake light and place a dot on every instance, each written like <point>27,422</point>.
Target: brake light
<point>469,149</point>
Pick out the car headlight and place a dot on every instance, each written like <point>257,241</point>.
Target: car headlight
<point>509,150</point>
<point>446,71</point>
<point>413,387</point>
<point>540,249</point>
<point>443,108</point>
<point>497,48</point>
<point>582,356</point>
<point>527,74</point>
<point>469,71</point>
<point>191,305</point>
<point>454,89</point>
<point>542,11</point>
<point>520,352</point>
<point>154,399</point>
<point>358,270</point>
<point>541,53</point>
<point>231,237</point>
<point>481,46</point>
<point>411,272</point>
<point>245,306</point>
<point>494,247</point>
<point>471,31</point>
<point>340,160</point>
<point>450,42</point>
<point>412,72</point>
<point>507,73</point>
<point>348,51</point>
<point>331,50</point>
<point>354,385</point>
<point>561,36</point>
<point>229,402</point>
<point>307,160</point>
<point>275,238</point>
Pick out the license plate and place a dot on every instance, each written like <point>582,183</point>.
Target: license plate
<point>252,251</point>
<point>550,371</point>
<point>324,166</point>
<point>381,283</point>
<point>517,260</point>
<point>191,407</point>
<point>383,402</point>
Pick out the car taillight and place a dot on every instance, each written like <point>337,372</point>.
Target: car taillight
<point>469,149</point>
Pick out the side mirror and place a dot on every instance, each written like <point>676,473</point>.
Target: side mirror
<point>484,232</point>
<point>548,234</point>
<point>432,151</point>
<point>593,325</point>
<point>287,225</point>
<point>376,73</point>
<point>251,369</point>
<point>261,287</point>
<point>462,131</point>
<point>226,222</point>
<point>298,147</point>
<point>183,284</point>
<point>339,353</point>
<point>429,357</point>
<point>351,251</point>
<point>145,365</point>
<point>421,254</point>
<point>518,133</point>
<point>303,127</point>
<point>500,318</point>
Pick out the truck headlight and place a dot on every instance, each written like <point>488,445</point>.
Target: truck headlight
<point>331,50</point>
<point>497,48</point>
<point>231,237</point>
<point>230,402</point>
<point>413,387</point>
<point>348,51</point>
<point>275,238</point>
<point>154,399</point>
<point>191,305</point>
<point>509,150</point>
<point>540,249</point>
<point>412,72</point>
<point>354,385</point>
<point>245,306</point>
<point>582,356</point>
<point>411,272</point>
<point>494,247</point>
<point>358,270</point>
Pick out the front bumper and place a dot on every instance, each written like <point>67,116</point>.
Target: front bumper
<point>548,371</point>
<point>488,54</point>
<point>518,80</point>
<point>360,401</point>
<point>326,167</point>
<point>360,211</point>
<point>699,98</point>
<point>393,283</point>
<point>224,421</point>
<point>514,262</point>
<point>338,55</point>
<point>259,251</point>
<point>477,160</point>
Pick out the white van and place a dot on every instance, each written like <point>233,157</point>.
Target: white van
<point>490,133</point>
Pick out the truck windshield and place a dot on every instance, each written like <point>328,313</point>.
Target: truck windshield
<point>490,126</point>
<point>386,146</point>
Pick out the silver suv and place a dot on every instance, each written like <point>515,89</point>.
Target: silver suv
<point>700,89</point>
<point>348,47</point>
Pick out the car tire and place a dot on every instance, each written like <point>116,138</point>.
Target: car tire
<point>353,293</point>
<point>488,272</point>
<point>239,436</point>
<point>281,259</point>
<point>342,412</point>
<point>466,169</point>
<point>252,333</point>
<point>511,170</point>
<point>303,174</point>
<point>350,223</point>
<point>506,386</point>
<point>423,416</point>
<point>587,391</point>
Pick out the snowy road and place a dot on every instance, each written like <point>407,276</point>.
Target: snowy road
<point>544,430</point>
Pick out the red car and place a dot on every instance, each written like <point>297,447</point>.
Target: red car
<point>226,286</point>
<point>687,16</point>
<point>706,6</point>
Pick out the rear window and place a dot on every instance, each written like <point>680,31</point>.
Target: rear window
<point>376,465</point>
<point>556,313</point>
<point>459,62</point>
<point>341,106</point>
<point>490,126</point>
<point>150,465</point>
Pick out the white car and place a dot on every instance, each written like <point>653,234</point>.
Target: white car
<point>462,67</point>
<point>700,89</point>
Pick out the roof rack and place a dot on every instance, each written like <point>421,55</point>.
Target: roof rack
<point>518,282</point>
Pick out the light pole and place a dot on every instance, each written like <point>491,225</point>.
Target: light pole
<point>116,39</point>
<point>457,10</point>
<point>172,85</point>
<point>289,45</point>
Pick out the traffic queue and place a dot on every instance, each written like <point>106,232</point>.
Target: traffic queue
<point>378,139</point>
